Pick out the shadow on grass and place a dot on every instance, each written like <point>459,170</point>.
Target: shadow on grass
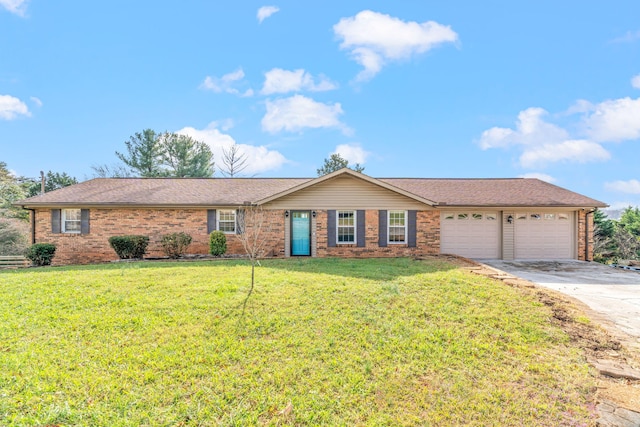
<point>370,268</point>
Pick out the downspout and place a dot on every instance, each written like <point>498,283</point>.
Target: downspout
<point>586,235</point>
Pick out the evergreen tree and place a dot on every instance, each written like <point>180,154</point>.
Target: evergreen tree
<point>184,157</point>
<point>144,154</point>
<point>336,162</point>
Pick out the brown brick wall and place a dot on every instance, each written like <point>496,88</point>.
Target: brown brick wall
<point>427,239</point>
<point>104,223</point>
<point>582,242</point>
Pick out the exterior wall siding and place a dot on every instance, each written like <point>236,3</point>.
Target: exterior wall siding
<point>104,223</point>
<point>346,193</point>
<point>508,239</point>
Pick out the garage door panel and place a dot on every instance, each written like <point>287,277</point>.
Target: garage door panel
<point>549,237</point>
<point>464,235</point>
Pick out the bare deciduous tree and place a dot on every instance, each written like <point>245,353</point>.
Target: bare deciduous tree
<point>254,229</point>
<point>234,161</point>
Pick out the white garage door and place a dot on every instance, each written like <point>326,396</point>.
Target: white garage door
<point>541,235</point>
<point>470,234</point>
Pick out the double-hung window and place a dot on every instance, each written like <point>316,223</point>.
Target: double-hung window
<point>397,223</point>
<point>346,225</point>
<point>71,220</point>
<point>227,221</point>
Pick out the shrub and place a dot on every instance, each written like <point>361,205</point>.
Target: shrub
<point>217,243</point>
<point>129,247</point>
<point>175,244</point>
<point>41,253</point>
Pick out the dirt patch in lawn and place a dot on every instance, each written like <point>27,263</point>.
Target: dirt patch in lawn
<point>614,354</point>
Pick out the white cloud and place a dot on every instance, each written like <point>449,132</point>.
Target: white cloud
<point>614,120</point>
<point>36,101</point>
<point>299,112</point>
<point>11,108</point>
<point>278,80</point>
<point>542,142</point>
<point>18,7</point>
<point>531,129</point>
<point>580,151</point>
<point>618,206</point>
<point>635,81</point>
<point>228,83</point>
<point>632,186</point>
<point>266,11</point>
<point>375,39</point>
<point>354,153</point>
<point>629,37</point>
<point>537,175</point>
<point>259,158</point>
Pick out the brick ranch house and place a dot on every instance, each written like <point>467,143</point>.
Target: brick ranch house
<point>342,214</point>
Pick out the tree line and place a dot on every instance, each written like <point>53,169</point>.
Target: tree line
<point>150,154</point>
<point>146,154</point>
<point>616,240</point>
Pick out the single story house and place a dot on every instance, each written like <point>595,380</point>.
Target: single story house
<point>342,214</point>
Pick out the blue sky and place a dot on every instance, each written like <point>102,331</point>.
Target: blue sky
<point>409,89</point>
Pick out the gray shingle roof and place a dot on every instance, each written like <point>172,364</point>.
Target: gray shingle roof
<point>236,191</point>
<point>493,192</point>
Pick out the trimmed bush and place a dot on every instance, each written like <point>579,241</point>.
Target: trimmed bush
<point>175,244</point>
<point>217,243</point>
<point>129,247</point>
<point>41,253</point>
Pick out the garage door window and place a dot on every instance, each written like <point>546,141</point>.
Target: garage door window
<point>463,216</point>
<point>563,217</point>
<point>536,216</point>
<point>490,217</point>
<point>549,216</point>
<point>476,216</point>
<point>522,216</point>
<point>449,216</point>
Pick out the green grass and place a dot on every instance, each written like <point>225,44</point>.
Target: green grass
<point>345,342</point>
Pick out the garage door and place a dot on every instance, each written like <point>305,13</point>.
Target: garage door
<point>470,234</point>
<point>541,235</point>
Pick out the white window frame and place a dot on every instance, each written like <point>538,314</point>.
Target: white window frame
<point>219,214</point>
<point>354,226</point>
<point>406,226</point>
<point>63,221</point>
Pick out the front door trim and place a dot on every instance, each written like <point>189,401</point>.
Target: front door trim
<point>300,248</point>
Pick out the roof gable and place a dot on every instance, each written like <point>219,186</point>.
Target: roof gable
<point>346,172</point>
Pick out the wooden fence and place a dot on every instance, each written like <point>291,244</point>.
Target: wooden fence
<point>13,261</point>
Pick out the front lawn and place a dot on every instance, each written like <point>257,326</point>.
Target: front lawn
<point>322,342</point>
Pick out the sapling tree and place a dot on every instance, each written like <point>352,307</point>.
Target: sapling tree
<point>254,229</point>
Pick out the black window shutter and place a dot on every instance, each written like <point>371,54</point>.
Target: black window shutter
<point>331,228</point>
<point>411,230</point>
<point>84,221</point>
<point>382,229</point>
<point>211,220</point>
<point>55,221</point>
<point>240,221</point>
<point>360,232</point>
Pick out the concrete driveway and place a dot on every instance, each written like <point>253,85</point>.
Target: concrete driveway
<point>612,292</point>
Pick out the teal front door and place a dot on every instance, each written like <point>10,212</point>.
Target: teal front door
<point>300,233</point>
